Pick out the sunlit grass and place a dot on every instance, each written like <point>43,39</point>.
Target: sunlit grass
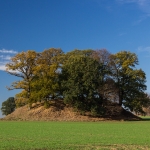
<point>74,135</point>
<point>145,117</point>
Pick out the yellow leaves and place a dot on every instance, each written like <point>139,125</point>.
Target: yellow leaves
<point>139,74</point>
<point>44,84</point>
<point>21,98</point>
<point>20,85</point>
<point>23,62</point>
<point>48,62</point>
<point>22,94</point>
<point>125,59</point>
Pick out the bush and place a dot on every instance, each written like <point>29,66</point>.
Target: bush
<point>97,111</point>
<point>8,106</point>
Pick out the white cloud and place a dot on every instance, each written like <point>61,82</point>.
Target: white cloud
<point>3,57</point>
<point>7,57</point>
<point>2,66</point>
<point>3,62</point>
<point>8,51</point>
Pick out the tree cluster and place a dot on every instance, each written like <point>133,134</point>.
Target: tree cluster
<point>84,79</point>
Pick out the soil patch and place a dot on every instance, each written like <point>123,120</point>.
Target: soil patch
<point>58,111</point>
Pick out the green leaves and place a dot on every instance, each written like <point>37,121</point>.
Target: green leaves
<point>129,80</point>
<point>8,106</point>
<point>85,79</point>
<point>81,81</point>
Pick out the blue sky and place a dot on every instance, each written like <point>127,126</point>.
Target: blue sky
<point>69,24</point>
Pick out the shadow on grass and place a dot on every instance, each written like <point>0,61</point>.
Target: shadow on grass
<point>145,118</point>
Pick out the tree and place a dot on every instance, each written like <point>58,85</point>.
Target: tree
<point>107,88</point>
<point>139,104</point>
<point>39,73</point>
<point>146,108</point>
<point>81,79</point>
<point>8,106</point>
<point>23,65</point>
<point>45,84</point>
<point>129,81</point>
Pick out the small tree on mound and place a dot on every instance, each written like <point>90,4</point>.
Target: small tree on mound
<point>8,106</point>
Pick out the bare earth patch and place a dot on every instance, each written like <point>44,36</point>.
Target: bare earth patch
<point>58,111</point>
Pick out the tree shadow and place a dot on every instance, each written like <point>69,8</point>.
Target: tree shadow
<point>146,118</point>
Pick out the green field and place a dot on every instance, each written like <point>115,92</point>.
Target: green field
<point>74,135</point>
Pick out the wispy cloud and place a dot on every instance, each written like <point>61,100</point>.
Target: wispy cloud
<point>2,67</point>
<point>5,56</point>
<point>8,51</point>
<point>143,5</point>
<point>145,50</point>
<point>142,18</point>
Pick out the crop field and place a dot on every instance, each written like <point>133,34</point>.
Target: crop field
<point>106,135</point>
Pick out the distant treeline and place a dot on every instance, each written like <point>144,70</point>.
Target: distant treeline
<point>84,79</point>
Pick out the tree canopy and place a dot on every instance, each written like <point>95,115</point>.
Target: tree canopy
<point>81,79</point>
<point>85,79</point>
<point>130,82</point>
<point>23,65</point>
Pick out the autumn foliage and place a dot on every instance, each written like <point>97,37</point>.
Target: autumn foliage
<point>85,79</point>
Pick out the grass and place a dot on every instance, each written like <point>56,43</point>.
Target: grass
<point>74,135</point>
<point>145,118</point>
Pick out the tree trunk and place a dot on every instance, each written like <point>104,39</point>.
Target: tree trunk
<point>120,98</point>
<point>120,101</point>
